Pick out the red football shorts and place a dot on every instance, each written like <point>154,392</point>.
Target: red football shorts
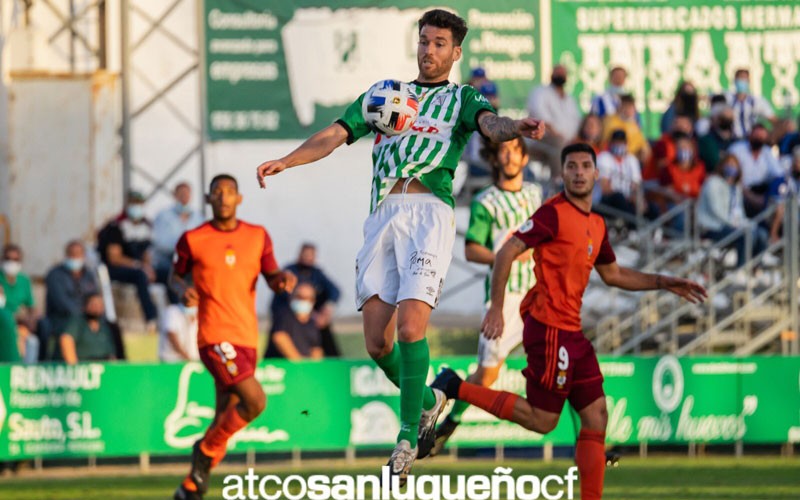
<point>228,363</point>
<point>562,365</point>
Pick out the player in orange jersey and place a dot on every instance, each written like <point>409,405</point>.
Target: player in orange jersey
<point>224,257</point>
<point>568,240</point>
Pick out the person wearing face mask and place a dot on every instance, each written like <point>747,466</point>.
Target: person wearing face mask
<point>683,177</point>
<point>168,226</point>
<point>88,337</point>
<point>720,135</point>
<point>178,336</point>
<point>626,119</point>
<point>720,208</point>
<point>748,109</point>
<point>608,102</point>
<point>620,175</point>
<point>68,284</point>
<point>19,302</point>
<point>124,245</point>
<point>779,190</point>
<point>294,335</point>
<point>759,167</point>
<point>685,104</point>
<point>326,291</point>
<point>559,110</point>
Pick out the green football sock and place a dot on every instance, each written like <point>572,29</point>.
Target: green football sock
<point>458,409</point>
<point>390,364</point>
<point>415,359</point>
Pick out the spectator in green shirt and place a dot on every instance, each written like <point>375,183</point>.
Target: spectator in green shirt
<point>88,337</point>
<point>9,340</point>
<point>19,300</point>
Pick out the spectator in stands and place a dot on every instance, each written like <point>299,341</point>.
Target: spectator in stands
<point>720,136</point>
<point>625,119</point>
<point>720,209</point>
<point>684,104</point>
<point>477,77</point>
<point>168,227</point>
<point>702,126</point>
<point>489,90</point>
<point>683,177</point>
<point>325,291</point>
<point>748,109</point>
<point>759,167</point>
<point>591,132</point>
<point>9,337</point>
<point>124,246</point>
<point>68,285</point>
<point>780,189</point>
<point>789,142</point>
<point>19,301</point>
<point>294,333</point>
<point>88,337</point>
<point>561,114</point>
<point>178,339</point>
<point>620,175</point>
<point>664,148</point>
<point>607,103</point>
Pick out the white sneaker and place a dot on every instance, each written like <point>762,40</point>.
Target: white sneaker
<point>426,437</point>
<point>401,460</point>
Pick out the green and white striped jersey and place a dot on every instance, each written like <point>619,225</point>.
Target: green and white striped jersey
<point>431,149</point>
<point>494,216</point>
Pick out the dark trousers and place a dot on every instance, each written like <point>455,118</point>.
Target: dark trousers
<point>329,345</point>
<point>759,243</point>
<point>138,278</point>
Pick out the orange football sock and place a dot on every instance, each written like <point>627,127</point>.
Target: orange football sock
<point>498,403</point>
<point>590,455</point>
<point>188,484</point>
<point>216,438</point>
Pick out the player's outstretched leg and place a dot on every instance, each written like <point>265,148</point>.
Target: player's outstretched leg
<point>484,376</point>
<point>590,450</point>
<point>237,406</point>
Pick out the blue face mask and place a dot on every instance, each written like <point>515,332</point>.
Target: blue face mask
<point>742,86</point>
<point>615,89</point>
<point>189,311</point>
<point>729,171</point>
<point>135,211</point>
<point>74,265</point>
<point>684,155</point>
<point>619,150</point>
<point>184,209</point>
<point>302,306</point>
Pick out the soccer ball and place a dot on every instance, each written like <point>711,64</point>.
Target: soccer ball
<point>390,107</point>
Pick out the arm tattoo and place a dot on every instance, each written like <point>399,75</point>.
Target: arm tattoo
<point>518,244</point>
<point>497,128</point>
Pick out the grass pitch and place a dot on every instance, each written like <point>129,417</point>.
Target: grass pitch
<point>675,478</point>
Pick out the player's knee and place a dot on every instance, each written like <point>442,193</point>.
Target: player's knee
<point>541,423</point>
<point>253,407</point>
<point>410,332</point>
<point>596,416</point>
<point>378,348</point>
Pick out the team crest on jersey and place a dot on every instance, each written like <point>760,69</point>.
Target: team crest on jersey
<point>439,100</point>
<point>561,379</point>
<point>591,249</point>
<point>230,257</point>
<point>526,226</point>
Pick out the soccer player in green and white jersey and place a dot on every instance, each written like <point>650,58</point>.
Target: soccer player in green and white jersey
<point>497,211</point>
<point>409,234</point>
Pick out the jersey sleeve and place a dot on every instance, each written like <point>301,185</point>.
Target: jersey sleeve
<point>540,228</point>
<point>182,260</point>
<point>480,225</point>
<point>472,104</point>
<point>268,263</point>
<point>606,254</point>
<point>353,121</point>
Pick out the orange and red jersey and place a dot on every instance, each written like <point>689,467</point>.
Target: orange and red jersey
<point>225,266</point>
<point>567,243</point>
<point>686,182</point>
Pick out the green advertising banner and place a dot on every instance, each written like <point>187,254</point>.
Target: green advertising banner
<point>122,410</point>
<point>281,70</point>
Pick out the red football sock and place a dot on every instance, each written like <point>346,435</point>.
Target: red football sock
<point>216,439</point>
<point>590,455</point>
<point>500,404</point>
<point>188,484</point>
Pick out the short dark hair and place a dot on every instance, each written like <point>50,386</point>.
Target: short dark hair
<point>679,136</point>
<point>222,177</point>
<point>443,19</point>
<point>490,151</point>
<point>618,135</point>
<point>742,71</point>
<point>718,98</point>
<point>73,243</point>
<point>627,99</point>
<point>11,247</point>
<point>578,147</point>
<point>308,245</point>
<point>180,185</point>
<point>89,296</point>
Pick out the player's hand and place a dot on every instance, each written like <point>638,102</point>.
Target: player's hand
<point>271,167</point>
<point>689,290</point>
<point>190,297</point>
<point>283,281</point>
<point>531,128</point>
<point>492,326</point>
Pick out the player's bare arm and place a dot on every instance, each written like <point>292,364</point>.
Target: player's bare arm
<point>630,279</point>
<point>316,147</point>
<point>492,326</point>
<point>281,281</point>
<point>183,289</point>
<point>477,253</point>
<point>501,128</point>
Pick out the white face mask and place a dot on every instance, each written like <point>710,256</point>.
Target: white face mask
<point>11,267</point>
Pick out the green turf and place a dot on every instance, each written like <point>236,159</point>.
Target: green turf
<point>654,478</point>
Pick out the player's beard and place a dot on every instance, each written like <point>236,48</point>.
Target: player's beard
<point>436,71</point>
<point>584,191</point>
